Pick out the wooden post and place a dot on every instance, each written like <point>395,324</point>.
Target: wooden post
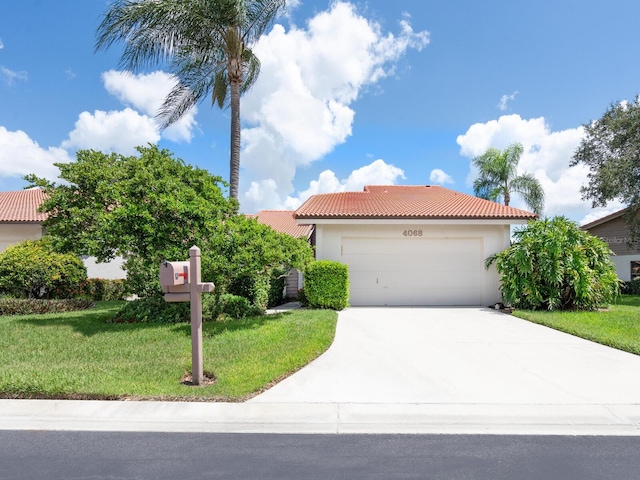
<point>196,316</point>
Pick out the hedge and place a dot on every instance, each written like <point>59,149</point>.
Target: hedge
<point>327,284</point>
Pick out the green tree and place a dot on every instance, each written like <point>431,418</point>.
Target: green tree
<point>206,44</point>
<point>249,249</point>
<point>144,208</point>
<point>610,149</point>
<point>153,207</point>
<point>553,264</point>
<point>499,178</point>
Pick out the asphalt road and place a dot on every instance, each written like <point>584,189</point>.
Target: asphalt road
<point>54,455</point>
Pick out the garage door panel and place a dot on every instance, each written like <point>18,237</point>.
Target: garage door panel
<point>427,271</point>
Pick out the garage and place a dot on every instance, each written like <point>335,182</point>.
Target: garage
<point>413,245</point>
<point>415,271</point>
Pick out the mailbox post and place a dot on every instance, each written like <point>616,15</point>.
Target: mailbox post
<point>180,282</point>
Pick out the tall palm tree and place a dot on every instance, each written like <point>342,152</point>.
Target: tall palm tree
<point>499,178</point>
<point>204,43</point>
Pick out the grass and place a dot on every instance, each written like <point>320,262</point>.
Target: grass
<point>80,355</point>
<point>618,326</point>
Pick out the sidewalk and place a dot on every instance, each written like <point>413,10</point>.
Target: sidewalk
<point>319,418</point>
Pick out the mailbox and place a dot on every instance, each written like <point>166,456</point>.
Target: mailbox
<point>174,273</point>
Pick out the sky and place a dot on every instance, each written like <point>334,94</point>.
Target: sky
<point>351,93</point>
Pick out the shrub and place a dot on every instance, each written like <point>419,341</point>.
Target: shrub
<point>33,306</point>
<point>99,289</point>
<point>327,284</point>
<point>302,298</point>
<point>276,286</point>
<point>553,264</point>
<point>153,310</point>
<point>632,287</point>
<point>33,270</point>
<point>254,288</point>
<point>237,307</point>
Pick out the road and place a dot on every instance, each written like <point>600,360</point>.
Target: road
<point>54,455</point>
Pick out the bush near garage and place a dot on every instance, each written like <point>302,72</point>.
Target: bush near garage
<point>327,284</point>
<point>554,265</point>
<point>32,269</point>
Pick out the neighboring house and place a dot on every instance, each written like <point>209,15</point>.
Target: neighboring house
<point>283,221</point>
<point>19,216</point>
<point>413,245</point>
<point>613,230</point>
<point>20,221</point>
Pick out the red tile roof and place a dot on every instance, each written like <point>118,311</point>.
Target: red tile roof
<point>283,221</point>
<point>22,206</point>
<point>406,202</point>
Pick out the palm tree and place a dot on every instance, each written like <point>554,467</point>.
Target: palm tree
<point>204,43</point>
<point>499,179</point>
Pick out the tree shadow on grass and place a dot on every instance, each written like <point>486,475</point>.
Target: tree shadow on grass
<point>96,321</point>
<point>211,329</point>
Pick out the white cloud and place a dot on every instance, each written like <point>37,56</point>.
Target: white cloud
<point>20,155</point>
<point>299,110</point>
<point>440,177</point>
<point>1,44</point>
<point>547,154</point>
<point>505,99</point>
<point>10,76</point>
<point>376,173</point>
<point>115,131</point>
<point>145,93</point>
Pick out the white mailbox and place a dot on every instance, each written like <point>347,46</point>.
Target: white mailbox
<point>174,273</point>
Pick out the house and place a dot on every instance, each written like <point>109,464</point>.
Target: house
<point>613,230</point>
<point>20,221</point>
<point>283,221</point>
<point>413,245</point>
<point>19,216</point>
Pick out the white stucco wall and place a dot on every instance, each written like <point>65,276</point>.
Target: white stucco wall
<point>623,265</point>
<point>14,233</point>
<point>495,238</point>
<point>110,270</point>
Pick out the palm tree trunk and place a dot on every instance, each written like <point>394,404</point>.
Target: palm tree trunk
<point>234,164</point>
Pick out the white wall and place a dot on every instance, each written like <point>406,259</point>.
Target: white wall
<point>111,270</point>
<point>623,265</point>
<point>14,233</point>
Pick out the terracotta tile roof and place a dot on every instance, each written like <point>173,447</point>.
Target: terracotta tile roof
<point>283,221</point>
<point>410,202</point>
<point>22,206</point>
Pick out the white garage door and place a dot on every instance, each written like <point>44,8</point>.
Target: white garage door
<point>414,271</point>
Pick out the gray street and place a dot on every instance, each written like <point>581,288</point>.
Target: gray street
<point>113,455</point>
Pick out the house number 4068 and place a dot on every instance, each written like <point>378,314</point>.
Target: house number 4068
<point>412,233</point>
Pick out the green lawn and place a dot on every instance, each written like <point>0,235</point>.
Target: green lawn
<point>617,326</point>
<point>79,355</point>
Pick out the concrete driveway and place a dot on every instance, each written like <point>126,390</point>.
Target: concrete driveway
<point>459,356</point>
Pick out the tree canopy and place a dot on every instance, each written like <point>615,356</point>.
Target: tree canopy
<point>498,178</point>
<point>611,150</point>
<point>153,207</point>
<point>206,44</point>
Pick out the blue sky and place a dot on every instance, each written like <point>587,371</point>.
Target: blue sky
<point>351,93</point>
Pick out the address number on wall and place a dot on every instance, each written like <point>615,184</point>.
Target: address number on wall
<point>412,233</point>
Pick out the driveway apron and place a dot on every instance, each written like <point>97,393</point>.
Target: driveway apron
<point>458,356</point>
